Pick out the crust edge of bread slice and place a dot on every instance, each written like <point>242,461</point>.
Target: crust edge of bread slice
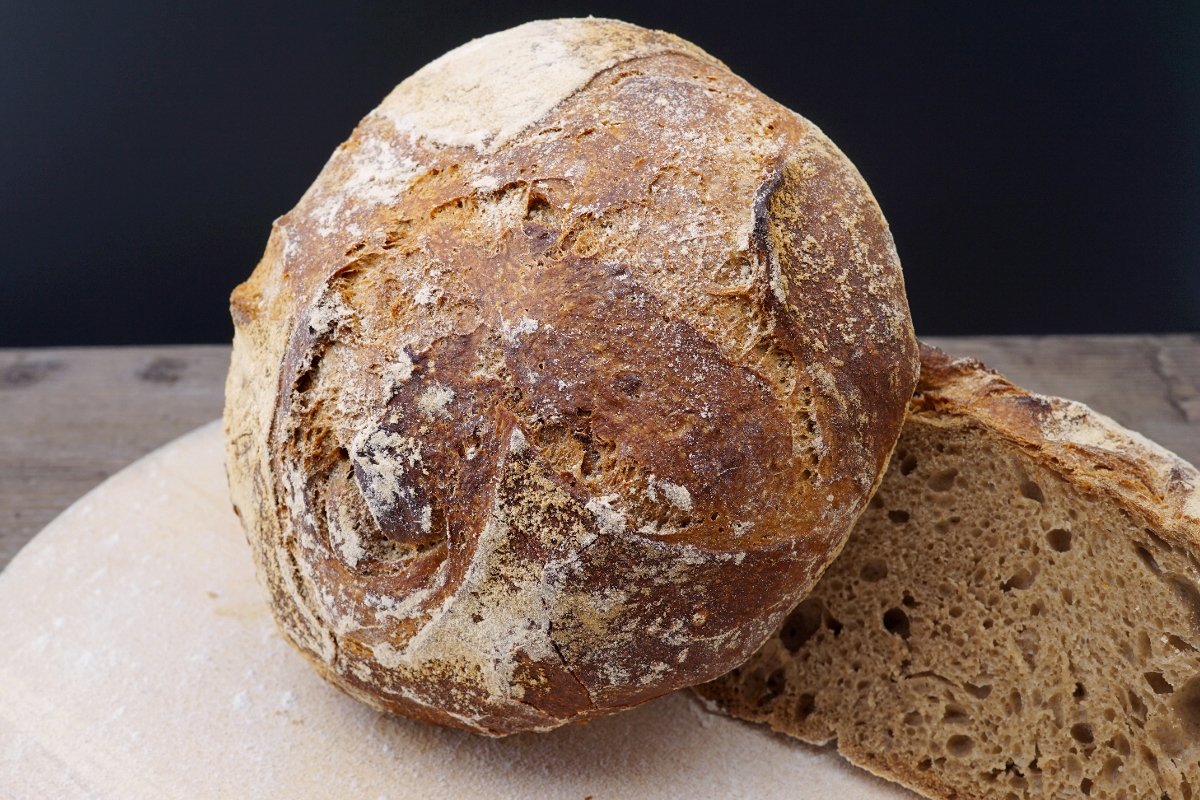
<point>1093,454</point>
<point>1093,450</point>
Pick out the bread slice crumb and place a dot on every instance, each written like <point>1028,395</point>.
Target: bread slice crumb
<point>1016,615</point>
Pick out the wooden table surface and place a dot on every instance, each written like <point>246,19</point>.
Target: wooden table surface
<point>70,417</point>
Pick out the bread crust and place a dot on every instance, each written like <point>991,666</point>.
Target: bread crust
<point>1086,447</point>
<point>535,416</point>
<point>1158,491</point>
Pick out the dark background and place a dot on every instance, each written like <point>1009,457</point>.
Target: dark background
<point>1039,162</point>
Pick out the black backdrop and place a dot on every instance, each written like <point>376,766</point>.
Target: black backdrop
<point>1039,162</point>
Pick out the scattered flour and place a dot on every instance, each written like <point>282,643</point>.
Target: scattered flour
<point>433,401</point>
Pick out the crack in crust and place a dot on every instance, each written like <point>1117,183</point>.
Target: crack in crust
<point>537,430</point>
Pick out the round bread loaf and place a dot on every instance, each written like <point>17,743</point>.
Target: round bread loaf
<point>564,382</point>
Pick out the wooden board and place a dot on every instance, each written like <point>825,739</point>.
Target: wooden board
<point>141,661</point>
<point>71,417</point>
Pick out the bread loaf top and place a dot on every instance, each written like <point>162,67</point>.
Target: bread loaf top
<point>564,380</point>
<point>488,91</point>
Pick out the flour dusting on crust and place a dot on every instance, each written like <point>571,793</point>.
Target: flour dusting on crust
<point>487,91</point>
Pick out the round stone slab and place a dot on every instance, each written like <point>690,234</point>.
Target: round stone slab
<point>138,659</point>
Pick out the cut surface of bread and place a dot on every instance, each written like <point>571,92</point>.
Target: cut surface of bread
<point>1016,614</point>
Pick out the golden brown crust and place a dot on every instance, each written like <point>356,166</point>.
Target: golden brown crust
<point>540,422</point>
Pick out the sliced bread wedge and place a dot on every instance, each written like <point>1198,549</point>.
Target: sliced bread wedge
<point>1016,615</point>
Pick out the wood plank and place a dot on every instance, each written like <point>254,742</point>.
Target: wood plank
<point>71,417</point>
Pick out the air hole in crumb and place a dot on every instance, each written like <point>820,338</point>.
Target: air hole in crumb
<point>1148,559</point>
<point>1028,642</point>
<point>956,715</point>
<point>1158,683</point>
<point>896,621</point>
<point>944,480</point>
<point>1151,760</point>
<point>774,686</point>
<point>832,623</point>
<point>959,745</point>
<point>874,570</point>
<point>1158,540</point>
<point>908,464</point>
<point>898,516</point>
<point>1021,579</point>
<point>1112,769</point>
<point>913,719</point>
<point>1187,705</point>
<point>1136,707</point>
<point>908,600</point>
<point>1085,786</point>
<point>800,625</point>
<point>978,692</point>
<point>1031,490</point>
<point>805,706</point>
<point>1179,644</point>
<point>1079,692</point>
<point>1082,733</point>
<point>924,764</point>
<point>1059,539</point>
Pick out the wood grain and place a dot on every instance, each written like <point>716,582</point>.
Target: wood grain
<point>71,417</point>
